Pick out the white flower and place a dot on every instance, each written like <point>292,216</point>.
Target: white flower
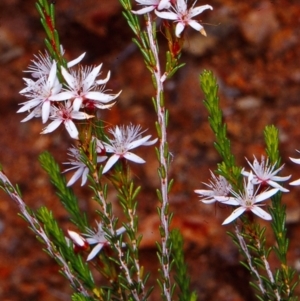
<point>247,201</point>
<point>125,139</point>
<point>65,114</point>
<point>82,169</point>
<point>266,174</point>
<point>40,92</point>
<point>151,5</point>
<point>97,236</point>
<point>83,87</point>
<point>42,65</point>
<point>183,16</point>
<point>297,161</point>
<point>219,186</point>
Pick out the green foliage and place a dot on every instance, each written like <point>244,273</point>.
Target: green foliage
<point>65,193</point>
<point>285,275</point>
<point>182,279</point>
<point>227,168</point>
<point>47,14</point>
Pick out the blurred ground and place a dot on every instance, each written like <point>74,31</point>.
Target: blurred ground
<point>253,48</point>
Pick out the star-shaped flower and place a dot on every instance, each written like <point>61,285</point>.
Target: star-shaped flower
<point>265,174</point>
<point>125,139</point>
<point>247,201</point>
<point>82,169</point>
<point>65,114</point>
<point>151,5</point>
<point>184,16</point>
<point>83,87</point>
<point>219,186</point>
<point>40,93</point>
<point>97,237</point>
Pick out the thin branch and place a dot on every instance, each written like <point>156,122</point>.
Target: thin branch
<point>39,231</point>
<point>161,116</point>
<point>244,247</point>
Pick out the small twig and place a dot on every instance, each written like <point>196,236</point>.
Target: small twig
<point>243,246</point>
<point>268,269</point>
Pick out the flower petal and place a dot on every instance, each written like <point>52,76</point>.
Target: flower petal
<point>52,75</point>
<point>235,214</point>
<point>68,77</point>
<point>179,29</point>
<point>103,81</point>
<point>228,200</point>
<point>71,128</point>
<point>194,24</point>
<point>144,10</point>
<point>166,15</point>
<point>199,9</point>
<point>46,110</point>
<point>265,195</point>
<point>90,79</point>
<point>75,176</point>
<point>76,61</point>
<point>295,183</point>
<point>95,251</point>
<point>52,126</point>
<point>134,158</point>
<point>62,96</point>
<point>110,162</point>
<point>95,95</point>
<point>261,213</point>
<point>138,142</point>
<point>297,161</point>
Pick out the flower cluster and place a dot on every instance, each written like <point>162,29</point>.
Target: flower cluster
<point>175,10</point>
<point>260,179</point>
<point>64,102</point>
<point>124,139</point>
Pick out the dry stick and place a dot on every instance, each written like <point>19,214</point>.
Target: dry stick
<point>164,218</point>
<point>39,231</point>
<point>135,249</point>
<point>243,246</point>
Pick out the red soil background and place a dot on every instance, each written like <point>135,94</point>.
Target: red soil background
<point>253,48</point>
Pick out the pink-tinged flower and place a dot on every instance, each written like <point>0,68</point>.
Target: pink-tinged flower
<point>97,237</point>
<point>184,16</point>
<point>82,169</point>
<point>125,139</point>
<point>65,114</point>
<point>247,201</point>
<point>265,174</point>
<point>152,5</point>
<point>42,65</point>
<point>219,186</point>
<point>77,239</point>
<point>83,87</point>
<point>297,161</point>
<point>40,92</point>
